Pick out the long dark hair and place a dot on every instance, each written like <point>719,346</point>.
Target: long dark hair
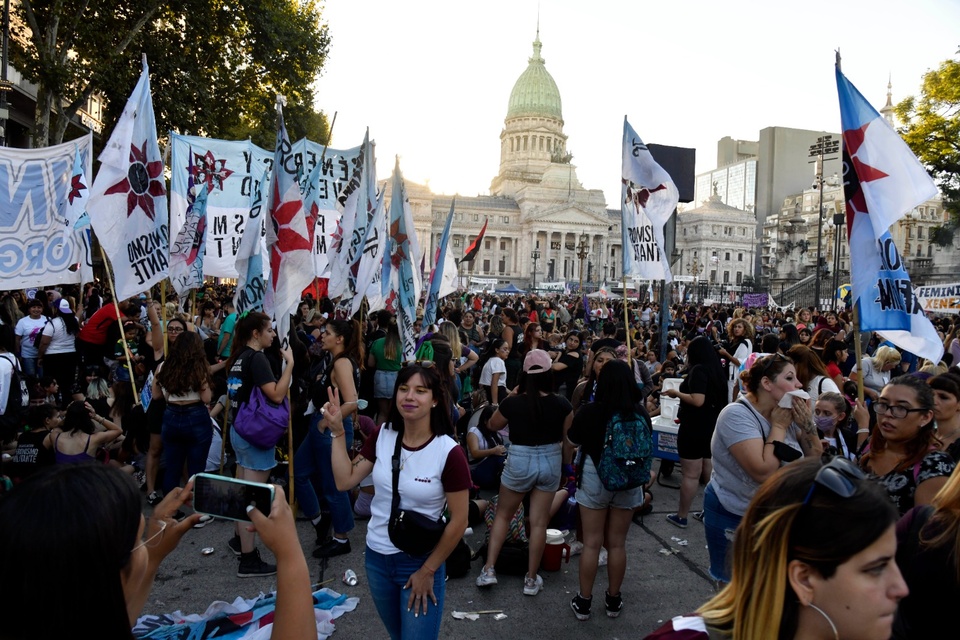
<point>185,368</point>
<point>440,423</point>
<point>70,323</point>
<point>77,418</point>
<point>916,449</point>
<point>617,390</point>
<point>701,353</point>
<point>349,330</point>
<point>78,523</point>
<point>248,323</point>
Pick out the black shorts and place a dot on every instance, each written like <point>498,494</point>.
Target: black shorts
<point>693,441</point>
<point>155,415</point>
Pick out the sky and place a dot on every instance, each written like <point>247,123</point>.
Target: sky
<point>432,78</point>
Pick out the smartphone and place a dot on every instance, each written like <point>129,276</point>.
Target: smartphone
<point>228,497</point>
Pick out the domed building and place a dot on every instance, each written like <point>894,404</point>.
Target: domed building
<point>537,211</point>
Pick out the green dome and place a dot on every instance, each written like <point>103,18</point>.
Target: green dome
<point>535,93</point>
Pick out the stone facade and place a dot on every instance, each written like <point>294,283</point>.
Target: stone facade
<point>716,243</point>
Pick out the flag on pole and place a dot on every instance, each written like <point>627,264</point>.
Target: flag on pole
<point>358,203</point>
<point>474,247</point>
<point>882,180</point>
<point>371,261</point>
<point>288,245</point>
<point>443,278</point>
<point>399,278</point>
<point>251,287</point>
<point>648,199</point>
<point>186,254</point>
<point>128,201</point>
<point>76,221</point>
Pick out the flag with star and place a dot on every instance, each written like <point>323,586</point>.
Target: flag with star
<point>358,203</point>
<point>288,242</point>
<point>400,278</point>
<point>128,199</point>
<point>371,261</point>
<point>76,221</point>
<point>883,180</point>
<point>443,278</point>
<point>187,251</point>
<point>250,283</point>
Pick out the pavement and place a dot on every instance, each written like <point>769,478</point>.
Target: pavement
<point>666,576</point>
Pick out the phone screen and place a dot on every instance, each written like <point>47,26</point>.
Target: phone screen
<point>228,498</point>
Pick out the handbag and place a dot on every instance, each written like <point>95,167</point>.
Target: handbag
<point>410,531</point>
<point>260,421</point>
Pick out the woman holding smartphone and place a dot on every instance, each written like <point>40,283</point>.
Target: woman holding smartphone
<point>433,472</point>
<point>249,368</point>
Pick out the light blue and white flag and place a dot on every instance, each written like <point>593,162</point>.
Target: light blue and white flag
<point>187,251</point>
<point>443,277</point>
<point>251,286</point>
<point>76,231</point>
<point>882,181</point>
<point>648,199</point>
<point>128,199</point>
<point>358,202</point>
<point>371,261</point>
<point>400,284</point>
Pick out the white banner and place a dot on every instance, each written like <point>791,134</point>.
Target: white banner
<point>940,298</point>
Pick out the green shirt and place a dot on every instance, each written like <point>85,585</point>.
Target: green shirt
<point>383,364</point>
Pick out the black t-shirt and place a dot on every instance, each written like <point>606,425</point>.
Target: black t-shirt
<point>706,414</point>
<point>589,428</point>
<point>250,369</point>
<point>570,375</point>
<point>30,455</point>
<point>534,428</point>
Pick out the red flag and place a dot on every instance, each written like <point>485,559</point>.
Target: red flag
<point>474,247</point>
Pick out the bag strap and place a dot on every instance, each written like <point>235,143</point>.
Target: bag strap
<point>395,507</point>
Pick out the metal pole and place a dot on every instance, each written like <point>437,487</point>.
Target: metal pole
<point>5,85</point>
<point>819,234</point>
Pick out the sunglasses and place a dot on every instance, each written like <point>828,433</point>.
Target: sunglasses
<point>153,529</point>
<point>426,364</point>
<point>768,361</point>
<point>840,476</point>
<point>895,410</point>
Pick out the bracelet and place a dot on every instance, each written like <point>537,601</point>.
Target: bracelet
<point>336,435</point>
<point>859,431</point>
<point>429,570</point>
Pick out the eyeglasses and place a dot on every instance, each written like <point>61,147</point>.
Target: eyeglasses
<point>426,364</point>
<point>839,476</point>
<point>896,410</point>
<point>153,529</point>
<point>174,329</point>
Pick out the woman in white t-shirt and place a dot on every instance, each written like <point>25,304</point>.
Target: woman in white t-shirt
<point>811,372</point>
<point>28,327</point>
<point>493,376</point>
<point>58,349</point>
<point>876,370</point>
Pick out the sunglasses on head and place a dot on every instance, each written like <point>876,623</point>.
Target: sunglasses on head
<point>840,476</point>
<point>426,364</point>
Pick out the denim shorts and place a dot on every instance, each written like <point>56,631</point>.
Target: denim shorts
<point>719,526</point>
<point>593,495</point>
<point>251,457</point>
<point>536,467</point>
<point>383,383</point>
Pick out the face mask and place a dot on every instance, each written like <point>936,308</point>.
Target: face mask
<point>824,423</point>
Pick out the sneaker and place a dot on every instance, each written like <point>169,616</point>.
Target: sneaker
<point>677,521</point>
<point>203,521</point>
<point>602,559</point>
<point>179,516</point>
<point>332,548</point>
<point>141,479</point>
<point>487,577</point>
<point>234,544</point>
<point>154,498</point>
<point>576,547</point>
<point>698,515</point>
<point>581,607</point>
<point>614,605</point>
<point>252,566</point>
<point>532,586</point>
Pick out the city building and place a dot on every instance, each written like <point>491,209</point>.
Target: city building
<point>540,218</point>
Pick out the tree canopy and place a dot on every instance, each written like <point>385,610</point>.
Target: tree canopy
<point>931,127</point>
<point>215,65</point>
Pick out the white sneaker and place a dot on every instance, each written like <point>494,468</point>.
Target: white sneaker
<point>203,521</point>
<point>532,586</point>
<point>487,577</point>
<point>575,548</point>
<point>602,560</point>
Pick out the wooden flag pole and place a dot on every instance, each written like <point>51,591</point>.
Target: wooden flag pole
<point>116,305</point>
<point>290,451</point>
<point>858,350</point>
<point>223,434</point>
<point>163,315</point>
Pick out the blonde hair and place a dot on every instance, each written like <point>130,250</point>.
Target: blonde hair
<point>452,333</point>
<point>885,355</point>
<point>946,515</point>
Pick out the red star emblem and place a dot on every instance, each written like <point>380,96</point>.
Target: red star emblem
<point>207,169</point>
<point>76,186</point>
<point>399,239</point>
<point>143,183</point>
<point>336,239</point>
<point>862,172</point>
<point>391,302</point>
<point>288,238</point>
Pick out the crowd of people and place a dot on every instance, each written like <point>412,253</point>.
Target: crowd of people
<point>504,416</point>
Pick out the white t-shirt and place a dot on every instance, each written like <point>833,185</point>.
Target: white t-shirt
<point>6,378</point>
<point>820,385</point>
<point>61,342</point>
<point>27,329</point>
<point>872,377</point>
<point>494,365</point>
<point>482,443</point>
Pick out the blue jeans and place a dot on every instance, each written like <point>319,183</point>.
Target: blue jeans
<point>186,435</point>
<point>311,464</point>
<point>719,526</point>
<point>387,574</point>
<point>31,369</point>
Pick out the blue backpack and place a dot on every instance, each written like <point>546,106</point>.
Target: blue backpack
<point>627,453</point>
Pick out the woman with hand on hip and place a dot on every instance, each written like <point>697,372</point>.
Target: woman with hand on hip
<point>432,473</point>
<point>754,437</point>
<point>813,558</point>
<point>247,369</point>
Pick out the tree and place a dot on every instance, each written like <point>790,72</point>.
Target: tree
<point>215,65</point>
<point>932,130</point>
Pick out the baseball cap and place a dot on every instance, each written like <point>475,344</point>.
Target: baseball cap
<point>537,361</point>
<point>65,306</point>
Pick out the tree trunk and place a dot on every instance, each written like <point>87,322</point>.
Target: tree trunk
<point>41,133</point>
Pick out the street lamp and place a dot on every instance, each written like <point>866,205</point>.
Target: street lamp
<point>535,255</point>
<point>582,254</point>
<point>825,145</point>
<point>838,221</point>
<point>695,270</point>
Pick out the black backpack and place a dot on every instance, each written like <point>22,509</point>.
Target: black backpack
<point>37,339</point>
<point>18,399</point>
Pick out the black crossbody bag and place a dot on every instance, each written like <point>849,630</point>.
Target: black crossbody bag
<point>410,531</point>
